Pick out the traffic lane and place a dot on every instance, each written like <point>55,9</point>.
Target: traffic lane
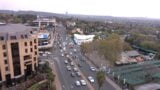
<point>85,68</point>
<point>106,85</point>
<point>70,79</point>
<point>87,72</point>
<point>65,80</point>
<point>65,83</point>
<point>65,75</point>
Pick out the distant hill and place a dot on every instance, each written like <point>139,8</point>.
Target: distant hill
<point>45,14</point>
<point>126,20</point>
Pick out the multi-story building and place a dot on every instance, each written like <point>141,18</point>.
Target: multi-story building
<point>44,22</point>
<point>45,39</point>
<point>18,52</point>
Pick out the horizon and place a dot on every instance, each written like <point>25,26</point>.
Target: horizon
<point>123,8</point>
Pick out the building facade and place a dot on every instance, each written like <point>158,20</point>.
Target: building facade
<point>18,52</point>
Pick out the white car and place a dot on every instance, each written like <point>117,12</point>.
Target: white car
<point>65,61</point>
<point>69,68</point>
<point>75,69</point>
<point>47,52</point>
<point>67,56</point>
<point>78,74</point>
<point>62,54</point>
<point>44,54</point>
<point>91,79</point>
<point>83,82</point>
<point>93,68</point>
<point>78,83</point>
<point>61,50</point>
<point>74,50</point>
<point>72,64</point>
<point>70,53</point>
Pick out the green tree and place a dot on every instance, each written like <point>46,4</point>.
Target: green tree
<point>111,48</point>
<point>100,76</point>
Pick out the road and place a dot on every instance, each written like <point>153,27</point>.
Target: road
<point>68,82</point>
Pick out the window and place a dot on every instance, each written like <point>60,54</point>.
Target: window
<point>6,68</point>
<point>30,43</point>
<point>13,37</point>
<point>31,32</point>
<point>27,57</point>
<point>35,58</point>
<point>26,50</point>
<point>26,36</point>
<point>35,52</point>
<point>35,41</point>
<point>4,47</point>
<point>5,61</point>
<point>35,47</point>
<point>22,36</point>
<point>25,44</point>
<point>1,38</point>
<point>31,49</point>
<point>4,54</point>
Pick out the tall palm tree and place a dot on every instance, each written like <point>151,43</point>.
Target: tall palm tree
<point>100,76</point>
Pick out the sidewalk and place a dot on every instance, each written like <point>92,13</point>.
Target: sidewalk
<point>56,82</point>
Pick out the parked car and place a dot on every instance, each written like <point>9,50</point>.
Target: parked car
<point>72,64</point>
<point>83,82</point>
<point>92,68</point>
<point>78,83</point>
<point>75,69</point>
<point>90,78</point>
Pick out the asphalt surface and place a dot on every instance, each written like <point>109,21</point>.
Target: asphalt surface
<point>68,82</point>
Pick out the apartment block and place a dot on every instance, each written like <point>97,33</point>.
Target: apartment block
<point>18,52</point>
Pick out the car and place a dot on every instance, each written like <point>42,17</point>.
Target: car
<point>73,74</point>
<point>70,53</point>
<point>74,50</point>
<point>78,74</point>
<point>72,64</point>
<point>91,79</point>
<point>44,54</point>
<point>77,83</point>
<point>67,56</point>
<point>92,68</point>
<point>65,61</point>
<point>79,65</point>
<point>75,69</point>
<point>61,50</point>
<point>83,82</point>
<point>62,54</point>
<point>47,52</point>
<point>69,68</point>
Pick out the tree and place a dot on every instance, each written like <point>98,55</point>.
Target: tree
<point>100,76</point>
<point>111,48</point>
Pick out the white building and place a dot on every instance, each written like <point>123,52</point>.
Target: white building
<point>79,39</point>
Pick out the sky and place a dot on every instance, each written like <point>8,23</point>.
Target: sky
<point>123,8</point>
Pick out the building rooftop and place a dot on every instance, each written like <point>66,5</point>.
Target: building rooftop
<point>78,36</point>
<point>132,53</point>
<point>7,28</point>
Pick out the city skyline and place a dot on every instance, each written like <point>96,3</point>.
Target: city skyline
<point>122,8</point>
